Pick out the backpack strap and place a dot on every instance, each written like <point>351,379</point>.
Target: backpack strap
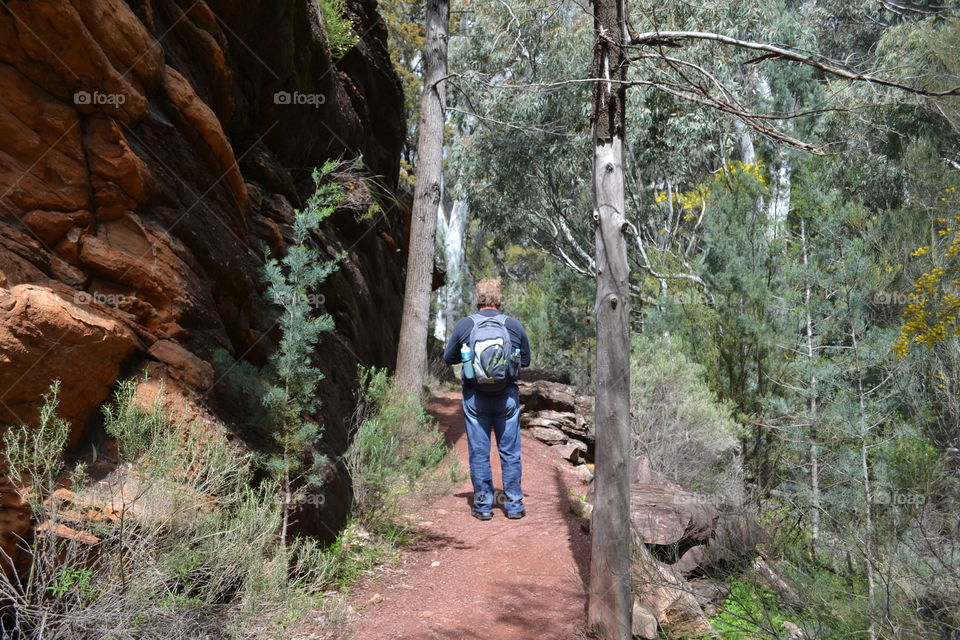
<point>479,317</point>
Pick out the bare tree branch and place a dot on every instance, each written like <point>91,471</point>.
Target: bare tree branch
<point>674,38</point>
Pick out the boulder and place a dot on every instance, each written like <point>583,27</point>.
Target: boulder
<point>548,435</point>
<point>59,530</point>
<point>553,407</point>
<point>193,371</point>
<point>572,424</point>
<point>690,560</point>
<point>584,473</point>
<point>563,420</point>
<point>572,451</point>
<point>44,337</point>
<point>664,513</point>
<point>644,622</point>
<point>541,394</point>
<point>666,594</point>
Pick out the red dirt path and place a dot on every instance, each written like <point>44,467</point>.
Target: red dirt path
<point>499,580</point>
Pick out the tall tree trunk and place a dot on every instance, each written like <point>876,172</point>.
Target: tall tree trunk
<point>781,169</point>
<point>867,484</point>
<point>451,227</point>
<point>812,403</point>
<point>748,153</point>
<point>610,604</point>
<point>412,348</point>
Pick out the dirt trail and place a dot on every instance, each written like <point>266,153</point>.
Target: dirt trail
<point>499,580</point>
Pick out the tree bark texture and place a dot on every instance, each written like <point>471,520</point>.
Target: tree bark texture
<point>412,347</point>
<point>611,596</point>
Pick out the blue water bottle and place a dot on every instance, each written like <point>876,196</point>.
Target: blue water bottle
<point>466,357</point>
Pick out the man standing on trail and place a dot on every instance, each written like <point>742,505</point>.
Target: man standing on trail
<point>492,347</point>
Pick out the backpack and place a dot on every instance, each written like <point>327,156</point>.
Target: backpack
<point>494,366</point>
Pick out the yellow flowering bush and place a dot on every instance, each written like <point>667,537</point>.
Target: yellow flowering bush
<point>696,198</point>
<point>934,307</point>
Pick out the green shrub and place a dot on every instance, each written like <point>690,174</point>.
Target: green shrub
<point>337,26</point>
<point>34,455</point>
<point>135,429</point>
<point>679,424</point>
<point>914,463</point>
<point>749,612</point>
<point>193,551</point>
<point>394,445</point>
<point>281,398</point>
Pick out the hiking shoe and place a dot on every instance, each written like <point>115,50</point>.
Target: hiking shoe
<point>516,515</point>
<point>483,515</point>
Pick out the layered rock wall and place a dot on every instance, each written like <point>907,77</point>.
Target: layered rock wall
<point>149,150</point>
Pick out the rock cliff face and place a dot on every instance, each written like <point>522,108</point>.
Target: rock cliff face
<point>148,150</point>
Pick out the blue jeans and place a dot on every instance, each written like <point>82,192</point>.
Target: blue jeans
<point>501,413</point>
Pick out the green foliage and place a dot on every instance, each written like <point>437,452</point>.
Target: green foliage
<point>34,455</point>
<point>732,330</point>
<point>556,308</point>
<point>781,278</point>
<point>135,428</point>
<point>282,398</point>
<point>835,602</point>
<point>914,463</point>
<point>678,423</point>
<point>394,445</point>
<point>337,26</point>
<point>749,612</point>
<point>73,581</point>
<point>525,157</point>
<point>177,563</point>
<point>277,585</point>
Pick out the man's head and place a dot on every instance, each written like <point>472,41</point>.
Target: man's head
<point>489,294</point>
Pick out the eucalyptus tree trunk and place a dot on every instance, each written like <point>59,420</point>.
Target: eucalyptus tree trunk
<point>412,348</point>
<point>781,169</point>
<point>451,227</point>
<point>867,483</point>
<point>812,403</point>
<point>610,603</point>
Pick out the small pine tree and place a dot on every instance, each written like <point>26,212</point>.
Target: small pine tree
<point>283,395</point>
<point>292,284</point>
